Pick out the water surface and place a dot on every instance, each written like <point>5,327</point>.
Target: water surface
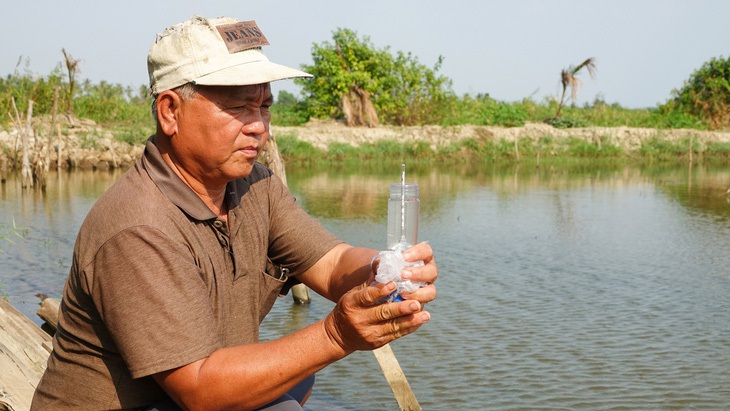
<point>579,287</point>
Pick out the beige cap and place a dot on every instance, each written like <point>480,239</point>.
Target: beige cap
<point>213,52</point>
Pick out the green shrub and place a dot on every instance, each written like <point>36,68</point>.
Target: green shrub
<point>566,122</point>
<point>706,94</point>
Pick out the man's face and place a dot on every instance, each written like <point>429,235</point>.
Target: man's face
<point>221,131</point>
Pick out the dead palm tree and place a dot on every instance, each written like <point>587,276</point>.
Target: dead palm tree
<point>72,66</point>
<point>568,79</point>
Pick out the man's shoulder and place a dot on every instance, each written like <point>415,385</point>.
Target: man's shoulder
<point>132,193</point>
<point>132,201</point>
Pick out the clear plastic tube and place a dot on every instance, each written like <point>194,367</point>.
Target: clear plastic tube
<point>403,211</point>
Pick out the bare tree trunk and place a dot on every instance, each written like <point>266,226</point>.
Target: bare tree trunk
<point>271,158</point>
<point>560,103</point>
<point>26,173</point>
<point>60,147</point>
<point>53,128</point>
<point>3,169</point>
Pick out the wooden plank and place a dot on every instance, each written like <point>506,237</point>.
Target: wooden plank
<point>396,378</point>
<point>24,350</point>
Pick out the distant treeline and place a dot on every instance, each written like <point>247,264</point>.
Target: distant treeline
<point>363,85</point>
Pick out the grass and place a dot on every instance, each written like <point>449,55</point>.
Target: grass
<point>543,150</point>
<point>7,232</point>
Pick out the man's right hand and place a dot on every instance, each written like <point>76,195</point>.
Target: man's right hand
<point>359,322</point>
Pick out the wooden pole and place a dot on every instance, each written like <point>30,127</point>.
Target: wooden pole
<point>396,378</point>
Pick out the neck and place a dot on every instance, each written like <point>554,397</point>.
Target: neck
<point>212,195</point>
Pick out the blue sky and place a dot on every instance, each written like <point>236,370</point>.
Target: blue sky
<point>508,49</point>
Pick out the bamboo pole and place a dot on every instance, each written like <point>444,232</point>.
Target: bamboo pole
<point>396,378</point>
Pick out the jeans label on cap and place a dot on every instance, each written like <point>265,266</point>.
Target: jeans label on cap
<point>242,36</point>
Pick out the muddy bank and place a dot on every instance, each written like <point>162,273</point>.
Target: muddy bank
<point>321,134</point>
<point>74,143</point>
<point>84,144</point>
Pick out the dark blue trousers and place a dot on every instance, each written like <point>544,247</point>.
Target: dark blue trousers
<point>287,402</point>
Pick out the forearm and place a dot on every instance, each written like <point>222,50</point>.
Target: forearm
<point>351,268</point>
<point>249,376</point>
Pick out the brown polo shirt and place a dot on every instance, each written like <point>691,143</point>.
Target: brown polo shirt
<point>158,281</point>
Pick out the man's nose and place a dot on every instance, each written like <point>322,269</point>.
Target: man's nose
<point>255,125</point>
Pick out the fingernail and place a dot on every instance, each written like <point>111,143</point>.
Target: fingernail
<point>414,306</point>
<point>391,286</point>
<point>406,255</point>
<point>425,316</point>
<point>406,275</point>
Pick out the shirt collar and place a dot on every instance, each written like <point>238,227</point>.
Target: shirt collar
<point>179,193</point>
<point>171,185</point>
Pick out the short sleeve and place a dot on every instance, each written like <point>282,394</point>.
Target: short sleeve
<point>297,240</point>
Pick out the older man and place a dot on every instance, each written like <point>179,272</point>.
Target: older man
<point>177,264</point>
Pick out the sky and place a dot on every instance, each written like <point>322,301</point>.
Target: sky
<point>511,50</point>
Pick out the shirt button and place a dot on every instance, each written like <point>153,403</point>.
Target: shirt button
<point>218,223</point>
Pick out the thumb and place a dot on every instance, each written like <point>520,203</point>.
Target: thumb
<point>373,293</point>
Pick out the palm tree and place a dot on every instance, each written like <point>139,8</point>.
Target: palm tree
<point>568,79</point>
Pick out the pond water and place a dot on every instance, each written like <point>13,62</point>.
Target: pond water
<point>578,287</point>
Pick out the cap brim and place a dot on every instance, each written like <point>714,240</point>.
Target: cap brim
<point>254,72</point>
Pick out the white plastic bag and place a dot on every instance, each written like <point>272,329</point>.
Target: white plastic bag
<point>390,267</point>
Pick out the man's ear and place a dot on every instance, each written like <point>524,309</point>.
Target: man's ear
<point>168,108</point>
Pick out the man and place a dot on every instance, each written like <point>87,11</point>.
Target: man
<point>177,264</point>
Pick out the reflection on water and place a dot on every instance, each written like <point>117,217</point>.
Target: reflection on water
<point>579,287</point>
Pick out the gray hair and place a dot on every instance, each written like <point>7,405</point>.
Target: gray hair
<point>186,92</point>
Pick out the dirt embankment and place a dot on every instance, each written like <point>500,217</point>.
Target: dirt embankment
<point>86,145</point>
<point>321,134</point>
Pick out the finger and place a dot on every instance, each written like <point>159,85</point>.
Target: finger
<point>421,251</point>
<point>371,294</point>
<point>425,273</point>
<point>400,326</point>
<point>423,295</point>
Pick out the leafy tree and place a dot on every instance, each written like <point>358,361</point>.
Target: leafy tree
<point>568,79</point>
<point>706,94</point>
<point>288,110</point>
<point>286,99</point>
<point>350,73</point>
